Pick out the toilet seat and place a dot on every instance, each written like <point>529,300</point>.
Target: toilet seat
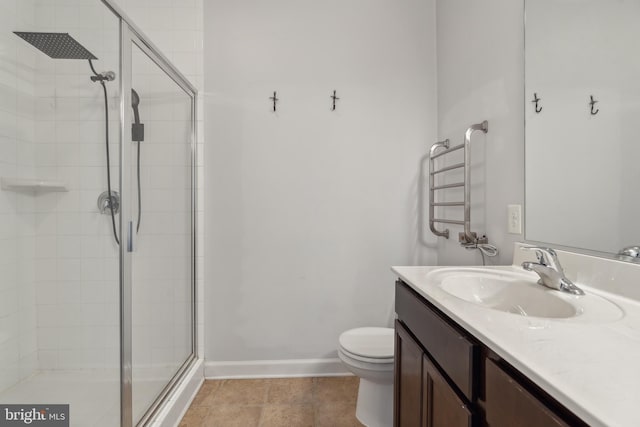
<point>369,354</point>
<point>365,360</point>
<point>370,345</point>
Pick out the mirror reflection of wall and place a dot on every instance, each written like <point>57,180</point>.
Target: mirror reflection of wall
<point>582,164</point>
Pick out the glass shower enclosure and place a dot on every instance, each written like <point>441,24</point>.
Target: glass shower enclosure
<point>97,214</point>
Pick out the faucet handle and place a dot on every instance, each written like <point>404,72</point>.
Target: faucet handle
<point>546,256</point>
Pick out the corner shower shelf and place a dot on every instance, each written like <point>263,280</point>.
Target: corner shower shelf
<point>28,184</point>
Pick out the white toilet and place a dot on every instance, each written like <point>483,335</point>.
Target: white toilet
<point>368,354</point>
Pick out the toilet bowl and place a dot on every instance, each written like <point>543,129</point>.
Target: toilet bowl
<point>368,354</point>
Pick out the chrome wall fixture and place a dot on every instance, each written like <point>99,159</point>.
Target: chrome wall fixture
<point>630,254</point>
<point>467,237</point>
<point>109,204</point>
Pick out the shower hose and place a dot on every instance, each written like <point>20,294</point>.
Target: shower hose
<point>100,78</point>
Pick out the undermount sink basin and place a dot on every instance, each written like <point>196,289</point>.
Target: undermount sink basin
<point>518,293</point>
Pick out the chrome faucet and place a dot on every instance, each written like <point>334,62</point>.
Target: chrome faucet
<point>630,253</point>
<point>550,271</point>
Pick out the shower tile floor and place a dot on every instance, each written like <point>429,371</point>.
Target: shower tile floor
<point>279,402</point>
<point>93,395</point>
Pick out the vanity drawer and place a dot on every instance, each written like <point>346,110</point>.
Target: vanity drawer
<point>451,348</point>
<point>510,404</point>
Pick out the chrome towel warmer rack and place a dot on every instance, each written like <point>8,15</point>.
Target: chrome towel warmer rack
<point>467,237</point>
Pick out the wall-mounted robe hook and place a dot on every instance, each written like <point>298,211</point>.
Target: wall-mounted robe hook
<point>275,99</point>
<point>335,98</point>
<point>592,104</point>
<point>535,101</point>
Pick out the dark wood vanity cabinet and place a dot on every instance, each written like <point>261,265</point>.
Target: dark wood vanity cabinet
<point>444,377</point>
<point>507,403</point>
<point>433,385</point>
<point>441,405</point>
<point>408,379</point>
<point>424,398</point>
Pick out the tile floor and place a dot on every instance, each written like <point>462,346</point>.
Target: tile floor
<point>93,395</point>
<point>280,402</point>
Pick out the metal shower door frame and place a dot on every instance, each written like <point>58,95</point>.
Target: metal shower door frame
<point>131,35</point>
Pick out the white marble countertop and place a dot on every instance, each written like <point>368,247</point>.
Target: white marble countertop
<point>592,368</point>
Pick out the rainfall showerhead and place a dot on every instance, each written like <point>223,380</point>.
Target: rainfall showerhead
<point>57,45</point>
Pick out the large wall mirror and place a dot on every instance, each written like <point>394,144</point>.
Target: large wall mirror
<point>582,82</point>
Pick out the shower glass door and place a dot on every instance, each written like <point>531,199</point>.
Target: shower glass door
<point>96,286</point>
<point>158,161</point>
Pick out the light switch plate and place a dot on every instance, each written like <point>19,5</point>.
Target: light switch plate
<point>514,219</point>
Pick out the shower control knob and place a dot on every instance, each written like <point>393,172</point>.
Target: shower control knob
<point>105,203</point>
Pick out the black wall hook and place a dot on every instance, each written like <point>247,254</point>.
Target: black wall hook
<point>335,98</point>
<point>593,103</point>
<point>535,101</point>
<point>275,99</point>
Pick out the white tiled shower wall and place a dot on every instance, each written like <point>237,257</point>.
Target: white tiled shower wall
<point>77,265</point>
<point>59,306</point>
<point>18,348</point>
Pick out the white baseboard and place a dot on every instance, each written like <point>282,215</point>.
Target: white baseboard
<point>275,368</point>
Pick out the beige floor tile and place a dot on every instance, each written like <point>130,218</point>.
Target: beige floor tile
<point>336,414</point>
<point>240,392</point>
<point>282,402</point>
<point>290,391</point>
<point>233,416</point>
<point>187,422</point>
<point>287,416</point>
<point>336,389</point>
<point>210,385</point>
<point>195,416</point>
<point>205,394</point>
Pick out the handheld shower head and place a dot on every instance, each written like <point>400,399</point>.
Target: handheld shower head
<point>137,128</point>
<point>135,99</point>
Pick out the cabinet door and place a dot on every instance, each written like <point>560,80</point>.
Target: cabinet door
<point>508,404</point>
<point>441,405</point>
<point>448,346</point>
<point>408,380</point>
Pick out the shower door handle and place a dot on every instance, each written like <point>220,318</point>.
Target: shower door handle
<point>130,237</point>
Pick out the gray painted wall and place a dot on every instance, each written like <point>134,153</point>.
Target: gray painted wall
<point>307,209</point>
<point>481,77</point>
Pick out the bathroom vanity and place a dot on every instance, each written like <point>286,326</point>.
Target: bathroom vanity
<point>459,362</point>
<point>446,377</point>
<point>487,346</point>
